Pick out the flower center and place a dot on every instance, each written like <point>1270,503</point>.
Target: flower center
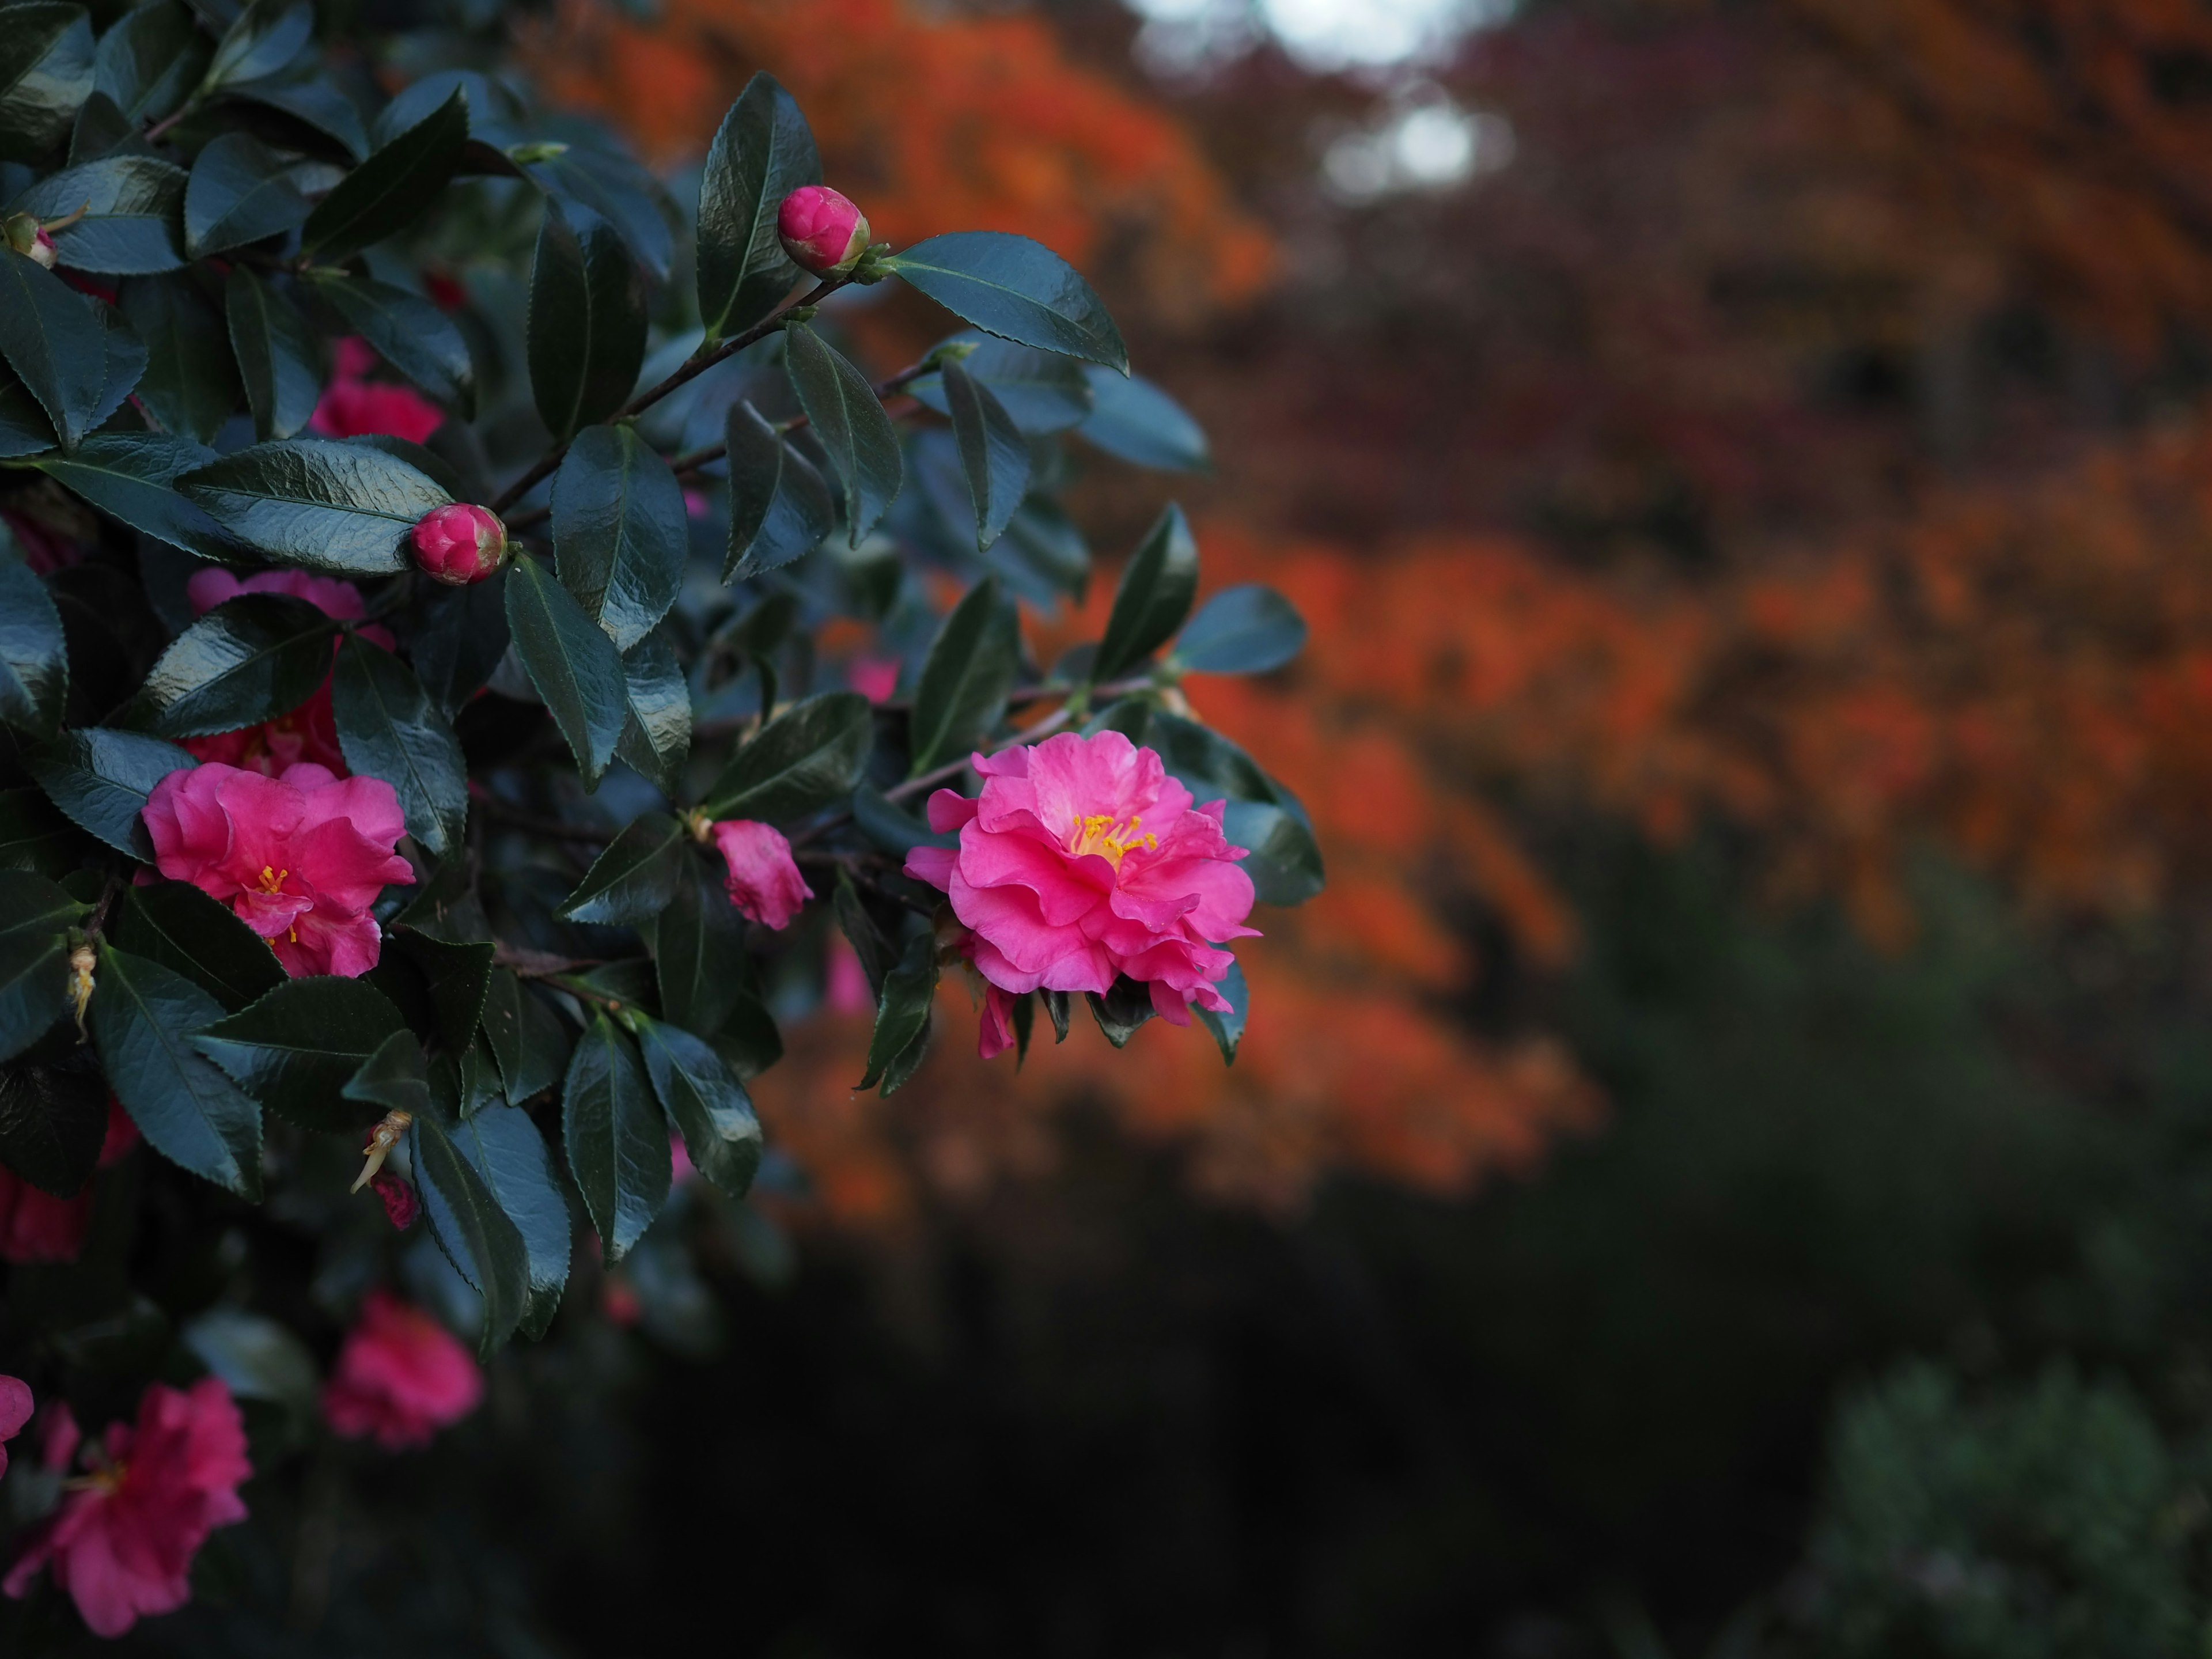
<point>273,881</point>
<point>1100,834</point>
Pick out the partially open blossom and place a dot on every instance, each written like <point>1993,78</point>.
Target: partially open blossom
<point>354,406</point>
<point>401,1376</point>
<point>299,857</point>
<point>15,1412</point>
<point>35,1226</point>
<point>460,544</point>
<point>764,883</point>
<point>1081,862</point>
<point>822,230</point>
<point>123,1542</point>
<point>309,733</point>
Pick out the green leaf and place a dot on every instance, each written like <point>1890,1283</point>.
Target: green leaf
<point>892,828</point>
<point>1057,1008</point>
<point>250,658</point>
<point>241,192</point>
<point>1042,390</point>
<point>698,942</point>
<point>964,681</point>
<point>123,361</point>
<point>457,975</point>
<point>53,339</point>
<point>460,641</point>
<point>263,39</point>
<point>657,739</point>
<point>294,1049</point>
<point>620,534</point>
<point>870,948</point>
<point>277,357</point>
<point>1126,1007</point>
<point>143,1018</point>
<point>342,507</point>
<point>391,189</point>
<point>45,72</point>
<point>902,1016</point>
<point>1249,629</point>
<point>180,927</point>
<point>472,1227</point>
<point>33,836</point>
<point>1228,1028</point>
<point>1155,595</point>
<point>102,129</point>
<point>314,97</point>
<point>587,322</point>
<point>1133,419</point>
<point>589,182</point>
<point>394,1077</point>
<point>636,878</point>
<point>1014,287</point>
<point>409,332</point>
<point>255,1357</point>
<point>191,384</point>
<point>132,475</point>
<point>100,779</point>
<point>849,419</point>
<point>527,1040</point>
<point>134,217</point>
<point>1261,816</point>
<point>763,152</point>
<point>780,507</point>
<point>33,656</point>
<point>572,663</point>
<point>504,1149</point>
<point>993,452</point>
<point>390,729</point>
<point>151,60</point>
<point>806,758</point>
<point>34,980</point>
<point>53,1122</point>
<point>708,1106</point>
<point>24,428</point>
<point>616,1139</point>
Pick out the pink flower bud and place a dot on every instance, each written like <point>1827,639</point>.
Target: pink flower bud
<point>764,881</point>
<point>821,231</point>
<point>460,544</point>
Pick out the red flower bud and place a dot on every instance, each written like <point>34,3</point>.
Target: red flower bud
<point>821,231</point>
<point>460,544</point>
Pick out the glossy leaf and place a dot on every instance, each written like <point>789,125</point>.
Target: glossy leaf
<point>503,1146</point>
<point>1042,390</point>
<point>410,333</point>
<point>46,71</point>
<point>278,359</point>
<point>529,1042</point>
<point>102,129</point>
<point>143,1018</point>
<point>698,941</point>
<point>636,878</point>
<point>342,507</point>
<point>572,663</point>
<point>33,655</point>
<point>34,968</point>
<point>849,419</point>
<point>762,152</point>
<point>616,1138</point>
<point>394,1077</point>
<point>241,192</point>
<point>589,182</point>
<point>132,475</point>
<point>780,507</point>
<point>54,1121</point>
<point>1249,629</point>
<point>33,836</point>
<point>587,322</point>
<point>657,739</point>
<point>191,385</point>
<point>460,641</point>
<point>709,1106</point>
<point>1136,421</point>
<point>100,779</point>
<point>1228,1028</point>
<point>53,341</point>
<point>456,972</point>
<point>133,213</point>
<point>250,659</point>
<point>1261,816</point>
<point>389,728</point>
<point>1158,587</point>
<point>1126,1007</point>
<point>620,534</point>
<point>892,828</point>
<point>391,189</point>
<point>804,759</point>
<point>1014,287</point>
<point>263,38</point>
<point>294,1048</point>
<point>150,60</point>
<point>992,452</point>
<point>24,428</point>
<point>903,1015</point>
<point>315,99</point>
<point>177,926</point>
<point>964,682</point>
<point>474,1229</point>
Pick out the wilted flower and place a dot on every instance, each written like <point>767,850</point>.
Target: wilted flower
<point>1083,861</point>
<point>401,1376</point>
<point>460,544</point>
<point>764,883</point>
<point>822,230</point>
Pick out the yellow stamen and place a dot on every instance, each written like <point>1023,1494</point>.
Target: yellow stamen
<point>273,881</point>
<point>1101,835</point>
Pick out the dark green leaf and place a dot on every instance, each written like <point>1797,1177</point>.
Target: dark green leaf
<point>1228,1028</point>
<point>780,507</point>
<point>191,384</point>
<point>294,1049</point>
<point>175,924</point>
<point>34,657</point>
<point>892,828</point>
<point>800,762</point>
<point>1125,1007</point>
<point>1286,862</point>
<point>902,1016</point>
<point>460,640</point>
<point>391,189</point>
<point>249,659</point>
<point>657,740</point>
<point>409,332</point>
<point>265,37</point>
<point>636,877</point>
<point>1042,390</point>
<point>964,682</point>
<point>870,949</point>
<point>628,981</point>
<point>616,1138</point>
<point>142,1019</point>
<point>572,663</point>
<point>457,975</point>
<point>241,192</point>
<point>1138,422</point>
<point>992,452</point>
<point>101,778</point>
<point>53,339</point>
<point>332,506</point>
<point>1155,595</point>
<point>504,1147</point>
<point>33,836</point>
<point>698,942</point>
<point>587,322</point>
<point>132,475</point>
<point>1246,629</point>
<point>763,152</point>
<point>1014,287</point>
<point>1055,1007</point>
<point>102,129</point>
<point>620,534</point>
<point>1042,553</point>
<point>255,1357</point>
<point>1023,1018</point>
<point>134,219</point>
<point>315,99</point>
<point>709,1106</point>
<point>24,428</point>
<point>393,1077</point>
<point>390,729</point>
<point>34,978</point>
<point>150,61</point>
<point>472,1227</point>
<point>589,182</point>
<point>277,357</point>
<point>748,1042</point>
<point>45,72</point>
<point>54,1121</point>
<point>527,1039</point>
<point>849,420</point>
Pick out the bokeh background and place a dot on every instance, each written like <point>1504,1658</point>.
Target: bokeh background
<point>1726,1166</point>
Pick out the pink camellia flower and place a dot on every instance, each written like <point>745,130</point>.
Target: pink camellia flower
<point>299,857</point>
<point>35,1226</point>
<point>821,231</point>
<point>309,733</point>
<point>460,544</point>
<point>123,1542</point>
<point>15,1412</point>
<point>1081,862</point>
<point>401,1376</point>
<point>354,406</point>
<point>764,883</point>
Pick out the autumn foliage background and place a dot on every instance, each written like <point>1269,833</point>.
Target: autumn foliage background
<point>1758,543</point>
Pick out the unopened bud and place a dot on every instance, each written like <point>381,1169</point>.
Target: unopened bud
<point>460,544</point>
<point>28,238</point>
<point>822,230</point>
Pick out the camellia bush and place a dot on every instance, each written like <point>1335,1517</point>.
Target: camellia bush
<point>475,654</point>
